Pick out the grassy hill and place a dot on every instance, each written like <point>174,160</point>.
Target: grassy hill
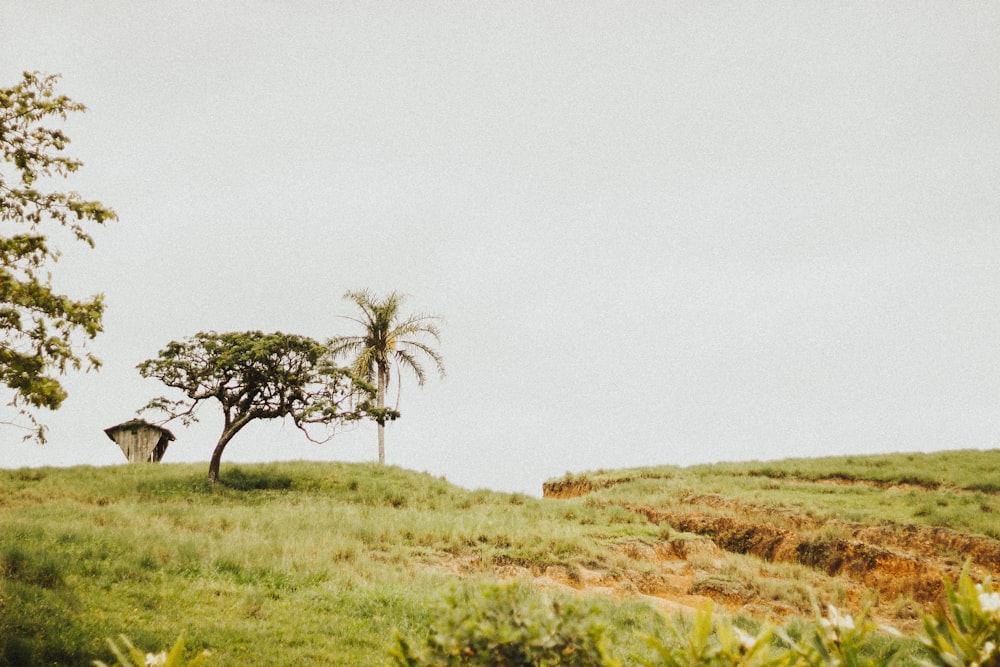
<point>310,564</point>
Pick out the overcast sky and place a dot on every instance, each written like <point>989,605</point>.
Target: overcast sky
<point>657,232</point>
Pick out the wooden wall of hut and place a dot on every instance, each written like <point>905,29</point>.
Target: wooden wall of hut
<point>141,443</point>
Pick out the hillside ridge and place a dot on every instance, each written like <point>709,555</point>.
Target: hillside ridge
<point>318,562</point>
<point>902,565</point>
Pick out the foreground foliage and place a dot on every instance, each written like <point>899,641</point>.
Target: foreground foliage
<point>129,656</point>
<point>42,332</point>
<point>967,631</point>
<point>513,625</point>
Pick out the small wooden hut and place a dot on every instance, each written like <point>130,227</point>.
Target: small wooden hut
<point>141,441</point>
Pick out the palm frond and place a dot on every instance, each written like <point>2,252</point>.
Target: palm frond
<point>388,339</point>
<point>429,351</point>
<point>344,344</point>
<point>409,361</point>
<point>420,324</point>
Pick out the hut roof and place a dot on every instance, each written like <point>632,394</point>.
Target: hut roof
<point>134,424</point>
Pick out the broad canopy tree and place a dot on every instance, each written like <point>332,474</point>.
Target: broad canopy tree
<point>255,375</point>
<point>42,332</point>
<point>389,343</point>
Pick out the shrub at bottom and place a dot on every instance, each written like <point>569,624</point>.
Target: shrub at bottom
<point>511,626</point>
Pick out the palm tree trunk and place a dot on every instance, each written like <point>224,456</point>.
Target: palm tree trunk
<point>381,442</point>
<point>380,400</point>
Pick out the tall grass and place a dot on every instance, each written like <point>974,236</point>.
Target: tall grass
<point>956,489</point>
<point>309,564</point>
<point>315,563</point>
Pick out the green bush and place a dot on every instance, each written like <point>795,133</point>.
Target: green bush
<point>129,656</point>
<point>841,639</point>
<point>509,626</point>
<point>836,639</point>
<point>514,625</point>
<point>721,644</point>
<point>967,631</point>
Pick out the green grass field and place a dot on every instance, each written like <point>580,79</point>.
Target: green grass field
<point>318,564</point>
<point>293,563</point>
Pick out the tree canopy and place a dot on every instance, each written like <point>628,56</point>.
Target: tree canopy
<point>42,332</point>
<point>255,375</point>
<point>388,340</point>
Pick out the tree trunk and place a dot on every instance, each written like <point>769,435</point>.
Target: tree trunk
<point>381,442</point>
<point>213,466</point>
<point>380,404</point>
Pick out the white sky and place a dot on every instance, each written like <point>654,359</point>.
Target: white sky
<point>658,232</point>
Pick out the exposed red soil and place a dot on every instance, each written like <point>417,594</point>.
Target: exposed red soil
<point>947,547</point>
<point>581,486</point>
<point>890,572</point>
<point>887,564</point>
<point>572,488</point>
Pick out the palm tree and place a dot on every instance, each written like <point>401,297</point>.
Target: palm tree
<point>389,341</point>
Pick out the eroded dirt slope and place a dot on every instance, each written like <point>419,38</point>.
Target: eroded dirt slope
<point>771,562</point>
